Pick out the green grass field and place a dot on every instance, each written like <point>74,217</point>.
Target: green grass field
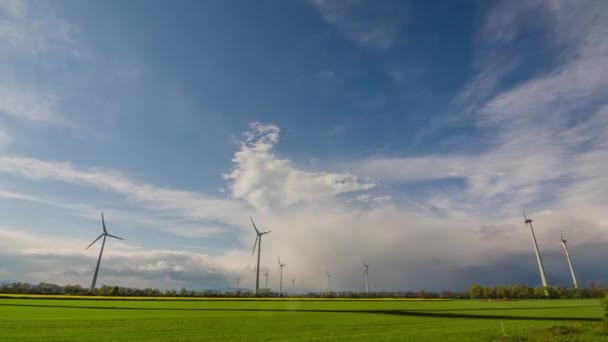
<point>369,320</point>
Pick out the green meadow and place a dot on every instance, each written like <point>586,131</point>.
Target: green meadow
<point>300,320</point>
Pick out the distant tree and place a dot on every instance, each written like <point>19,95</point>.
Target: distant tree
<point>476,291</point>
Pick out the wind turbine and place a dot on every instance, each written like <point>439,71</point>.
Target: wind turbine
<point>328,282</point>
<point>366,266</point>
<point>281,277</point>
<point>103,243</point>
<point>266,275</point>
<point>293,286</point>
<point>543,276</point>
<point>258,243</point>
<point>563,241</point>
<point>238,284</point>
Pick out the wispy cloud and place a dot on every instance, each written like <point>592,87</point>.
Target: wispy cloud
<point>31,34</point>
<point>366,23</point>
<point>30,106</point>
<point>24,31</point>
<point>538,136</point>
<point>188,204</point>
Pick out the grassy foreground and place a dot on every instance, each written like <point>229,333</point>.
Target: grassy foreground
<point>369,320</point>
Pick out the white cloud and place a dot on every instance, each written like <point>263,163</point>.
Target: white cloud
<point>188,204</point>
<point>540,141</point>
<point>369,24</point>
<point>31,34</point>
<point>25,32</point>
<point>266,181</point>
<point>30,106</point>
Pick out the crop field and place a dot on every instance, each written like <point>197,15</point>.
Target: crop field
<point>300,320</point>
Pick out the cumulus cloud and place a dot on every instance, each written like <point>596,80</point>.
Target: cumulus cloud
<point>266,181</point>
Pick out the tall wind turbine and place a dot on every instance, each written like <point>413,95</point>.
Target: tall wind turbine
<point>328,282</point>
<point>103,243</point>
<point>366,266</point>
<point>563,241</point>
<point>238,284</point>
<point>541,268</point>
<point>258,243</point>
<point>281,277</point>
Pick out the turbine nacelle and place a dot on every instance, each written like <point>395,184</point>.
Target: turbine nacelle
<point>258,235</point>
<point>105,233</point>
<point>527,220</point>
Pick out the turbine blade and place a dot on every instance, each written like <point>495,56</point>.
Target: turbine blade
<point>99,237</point>
<point>279,261</point>
<point>255,243</point>
<point>254,227</point>
<point>103,223</point>
<point>116,237</point>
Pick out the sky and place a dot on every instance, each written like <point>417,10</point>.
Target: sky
<point>410,135</point>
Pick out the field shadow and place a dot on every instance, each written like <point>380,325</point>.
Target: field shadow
<point>503,309</point>
<point>417,313</point>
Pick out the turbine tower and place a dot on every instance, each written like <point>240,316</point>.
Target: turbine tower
<point>258,243</point>
<point>105,234</point>
<point>281,277</point>
<point>563,241</point>
<point>541,268</point>
<point>328,282</point>
<point>366,266</point>
<point>238,284</point>
<point>266,275</point>
<point>293,286</point>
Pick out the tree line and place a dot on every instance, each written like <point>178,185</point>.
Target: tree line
<point>518,291</point>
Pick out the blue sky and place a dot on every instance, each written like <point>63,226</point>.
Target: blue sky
<point>408,134</point>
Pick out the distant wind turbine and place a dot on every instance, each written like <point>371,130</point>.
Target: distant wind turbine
<point>328,282</point>
<point>366,266</point>
<point>293,286</point>
<point>281,277</point>
<point>563,242</point>
<point>258,243</point>
<point>266,275</point>
<point>543,276</point>
<point>103,243</point>
<point>238,283</point>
